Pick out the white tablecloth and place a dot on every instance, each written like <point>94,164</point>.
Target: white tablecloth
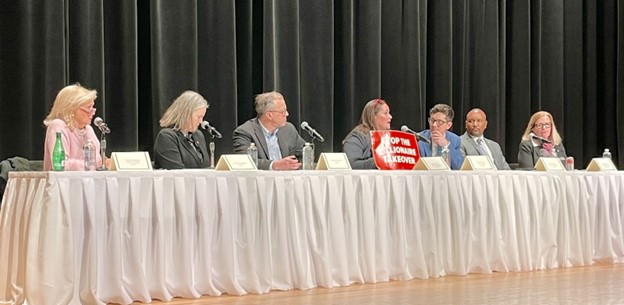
<point>98,237</point>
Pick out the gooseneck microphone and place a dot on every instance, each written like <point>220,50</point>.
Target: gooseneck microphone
<point>315,135</point>
<point>534,136</point>
<point>99,123</point>
<point>213,131</point>
<point>417,134</point>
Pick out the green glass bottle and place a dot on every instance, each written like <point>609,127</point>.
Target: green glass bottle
<point>58,155</point>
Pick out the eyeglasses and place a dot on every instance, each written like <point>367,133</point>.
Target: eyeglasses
<point>90,110</point>
<point>437,122</point>
<point>282,112</point>
<point>543,125</point>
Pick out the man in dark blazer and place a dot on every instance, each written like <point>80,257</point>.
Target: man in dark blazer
<point>279,144</point>
<point>474,143</point>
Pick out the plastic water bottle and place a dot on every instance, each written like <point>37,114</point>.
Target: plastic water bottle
<point>252,151</point>
<point>606,153</point>
<point>446,155</point>
<point>434,149</point>
<point>58,154</point>
<point>89,154</point>
<point>308,157</point>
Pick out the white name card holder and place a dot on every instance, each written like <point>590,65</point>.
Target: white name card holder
<point>130,161</point>
<point>601,164</point>
<point>478,163</point>
<point>431,164</point>
<point>549,164</point>
<point>236,162</point>
<point>333,161</point>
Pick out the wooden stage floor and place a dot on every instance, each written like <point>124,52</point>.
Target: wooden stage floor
<point>601,283</point>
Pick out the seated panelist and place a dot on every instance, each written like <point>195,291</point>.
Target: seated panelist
<point>540,139</point>
<point>440,121</point>
<point>180,144</point>
<point>473,143</point>
<point>71,114</point>
<point>357,144</point>
<point>280,147</point>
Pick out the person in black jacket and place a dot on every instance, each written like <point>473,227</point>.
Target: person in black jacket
<point>180,144</point>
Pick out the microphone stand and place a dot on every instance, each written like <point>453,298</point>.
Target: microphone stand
<point>103,151</point>
<point>212,148</point>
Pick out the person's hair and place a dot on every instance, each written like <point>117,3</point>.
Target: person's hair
<point>179,114</point>
<point>67,101</point>
<point>266,101</point>
<point>444,108</point>
<point>367,120</point>
<point>554,135</point>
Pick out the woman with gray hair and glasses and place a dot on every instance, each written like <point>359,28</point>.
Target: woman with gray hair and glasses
<point>180,144</point>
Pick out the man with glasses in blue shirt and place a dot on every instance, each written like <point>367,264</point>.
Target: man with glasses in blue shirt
<point>440,121</point>
<point>279,144</point>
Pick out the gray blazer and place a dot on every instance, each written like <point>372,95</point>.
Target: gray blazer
<point>172,150</point>
<point>289,140</point>
<point>528,154</point>
<point>358,148</point>
<point>470,148</point>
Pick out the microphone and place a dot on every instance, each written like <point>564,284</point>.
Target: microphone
<point>101,125</point>
<point>213,131</point>
<point>534,136</point>
<point>311,131</point>
<point>417,134</point>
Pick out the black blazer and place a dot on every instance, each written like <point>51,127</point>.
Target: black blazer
<point>172,150</point>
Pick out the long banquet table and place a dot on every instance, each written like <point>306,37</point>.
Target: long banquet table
<point>99,237</point>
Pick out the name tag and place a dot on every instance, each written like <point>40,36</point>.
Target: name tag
<point>601,164</point>
<point>478,163</point>
<point>549,164</point>
<point>432,164</point>
<point>236,162</point>
<point>333,161</point>
<point>130,161</point>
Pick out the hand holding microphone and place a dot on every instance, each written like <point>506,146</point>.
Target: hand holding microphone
<point>213,131</point>
<point>311,131</point>
<point>99,123</point>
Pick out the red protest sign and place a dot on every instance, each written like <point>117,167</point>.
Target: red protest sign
<point>393,149</point>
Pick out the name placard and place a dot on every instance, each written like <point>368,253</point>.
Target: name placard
<point>601,164</point>
<point>130,161</point>
<point>237,162</point>
<point>333,161</point>
<point>549,164</point>
<point>431,164</point>
<point>478,163</point>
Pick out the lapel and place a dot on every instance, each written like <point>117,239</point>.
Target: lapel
<point>475,146</point>
<point>282,143</point>
<point>263,148</point>
<point>189,147</point>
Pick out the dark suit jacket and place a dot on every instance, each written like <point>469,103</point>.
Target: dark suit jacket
<point>173,151</point>
<point>470,148</point>
<point>528,154</point>
<point>357,147</point>
<point>289,140</point>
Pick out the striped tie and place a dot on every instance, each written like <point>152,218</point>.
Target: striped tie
<point>481,147</point>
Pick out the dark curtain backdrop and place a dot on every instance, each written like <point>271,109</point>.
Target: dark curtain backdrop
<point>328,58</point>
